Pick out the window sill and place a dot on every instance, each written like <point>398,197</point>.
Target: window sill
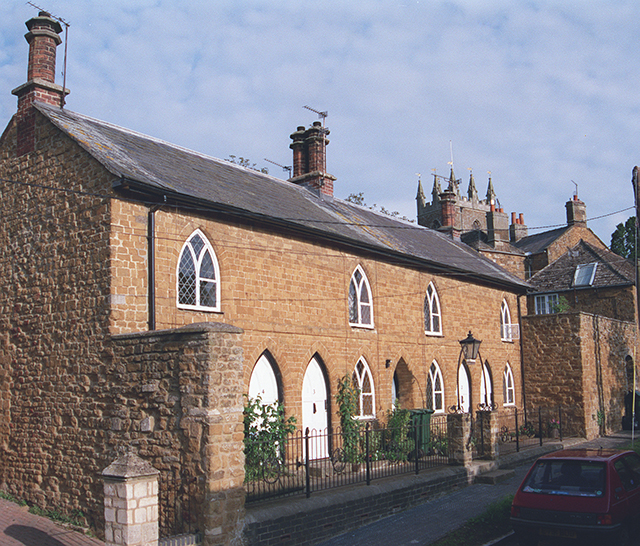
<point>362,326</point>
<point>200,309</point>
<point>433,334</point>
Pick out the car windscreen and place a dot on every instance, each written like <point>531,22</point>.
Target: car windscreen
<point>569,477</point>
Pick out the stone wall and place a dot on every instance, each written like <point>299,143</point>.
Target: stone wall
<point>53,318</point>
<point>177,396</point>
<point>577,360</point>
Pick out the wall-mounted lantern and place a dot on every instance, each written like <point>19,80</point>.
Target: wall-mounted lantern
<point>470,348</point>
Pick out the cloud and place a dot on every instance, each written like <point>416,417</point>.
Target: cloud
<point>538,93</point>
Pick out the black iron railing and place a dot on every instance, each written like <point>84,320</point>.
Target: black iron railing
<point>522,428</point>
<point>178,497</point>
<point>308,461</point>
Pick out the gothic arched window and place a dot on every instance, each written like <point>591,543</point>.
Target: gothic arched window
<point>364,382</point>
<point>432,315</point>
<point>198,275</point>
<point>435,389</point>
<point>508,387</point>
<point>506,328</point>
<point>360,302</point>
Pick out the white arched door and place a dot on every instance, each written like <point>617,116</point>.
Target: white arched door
<point>314,409</point>
<point>263,382</point>
<point>464,389</point>
<point>486,386</point>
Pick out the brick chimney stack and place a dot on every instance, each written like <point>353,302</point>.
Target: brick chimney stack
<point>309,159</point>
<point>576,212</point>
<point>43,38</point>
<point>448,208</point>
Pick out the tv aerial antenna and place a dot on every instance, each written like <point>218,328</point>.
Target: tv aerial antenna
<point>283,167</point>
<point>322,115</point>
<point>66,39</point>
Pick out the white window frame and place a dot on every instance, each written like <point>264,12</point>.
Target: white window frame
<point>432,317</point>
<point>584,275</point>
<point>508,387</point>
<point>356,303</point>
<point>199,279</point>
<point>545,303</point>
<point>435,375</point>
<point>508,331</point>
<point>359,376</point>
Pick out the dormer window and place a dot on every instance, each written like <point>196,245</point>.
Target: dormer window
<point>198,275</point>
<point>360,301</point>
<point>584,275</point>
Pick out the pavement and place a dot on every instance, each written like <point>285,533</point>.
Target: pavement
<point>20,528</point>
<point>420,526</point>
<point>428,522</point>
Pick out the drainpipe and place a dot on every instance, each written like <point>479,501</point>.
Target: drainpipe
<point>151,265</point>
<point>524,395</point>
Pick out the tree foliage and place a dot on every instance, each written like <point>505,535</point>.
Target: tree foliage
<point>358,199</point>
<point>244,162</point>
<point>623,239</point>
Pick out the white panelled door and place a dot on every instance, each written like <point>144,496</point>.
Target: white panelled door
<point>464,389</point>
<point>314,409</point>
<point>263,382</point>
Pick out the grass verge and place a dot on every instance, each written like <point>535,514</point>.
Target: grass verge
<point>492,523</point>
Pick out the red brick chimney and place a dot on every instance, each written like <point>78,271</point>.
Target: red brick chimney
<point>43,38</point>
<point>309,159</point>
<point>576,212</point>
<point>448,209</point>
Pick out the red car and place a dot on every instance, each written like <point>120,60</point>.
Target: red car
<point>580,494</point>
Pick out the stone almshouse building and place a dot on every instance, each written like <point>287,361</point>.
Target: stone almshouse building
<point>146,287</point>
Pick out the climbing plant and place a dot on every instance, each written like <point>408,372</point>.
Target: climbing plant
<point>347,398</point>
<point>265,436</point>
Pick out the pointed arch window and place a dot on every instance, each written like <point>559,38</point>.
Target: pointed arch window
<point>366,394</point>
<point>198,275</point>
<point>508,331</point>
<point>432,315</point>
<point>435,389</point>
<point>360,301</point>
<point>508,387</point>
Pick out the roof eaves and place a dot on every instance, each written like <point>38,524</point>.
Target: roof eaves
<point>177,199</point>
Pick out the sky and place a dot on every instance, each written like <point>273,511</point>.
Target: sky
<point>541,94</point>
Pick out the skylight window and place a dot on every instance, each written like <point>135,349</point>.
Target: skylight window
<point>585,273</point>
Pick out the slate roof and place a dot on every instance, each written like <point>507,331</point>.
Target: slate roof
<point>539,242</point>
<point>612,270</point>
<point>160,167</point>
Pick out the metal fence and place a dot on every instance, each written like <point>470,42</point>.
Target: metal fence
<point>178,495</point>
<point>310,461</point>
<point>521,428</point>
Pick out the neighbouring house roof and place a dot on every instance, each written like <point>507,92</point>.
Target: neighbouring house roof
<point>155,166</point>
<point>479,240</point>
<point>541,241</point>
<point>612,270</point>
